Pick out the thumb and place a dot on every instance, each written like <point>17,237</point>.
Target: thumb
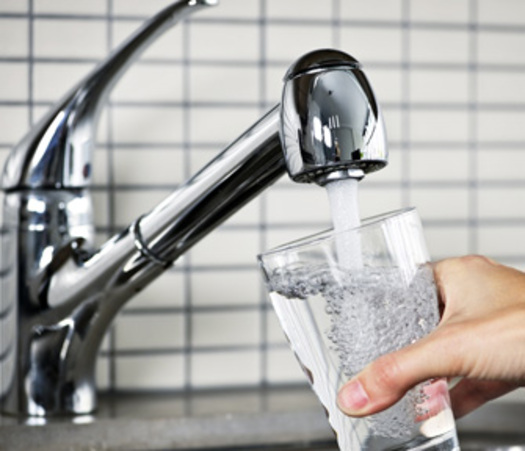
<point>385,381</point>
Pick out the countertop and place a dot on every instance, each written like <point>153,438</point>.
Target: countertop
<point>271,418</point>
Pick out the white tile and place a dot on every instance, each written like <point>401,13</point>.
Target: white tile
<point>100,239</point>
<point>138,7</point>
<point>100,208</point>
<point>439,165</point>
<point>493,164</point>
<point>441,203</point>
<point>205,125</point>
<point>68,7</point>
<point>85,39</point>
<point>278,237</point>
<point>221,369</point>
<point>152,372</point>
<point>439,86</point>
<point>103,135</point>
<point>283,367</point>
<point>501,48</point>
<point>150,331</point>
<point>504,203</point>
<point>153,83</point>
<point>167,290</point>
<point>303,205</point>
<point>148,166</point>
<point>274,82</point>
<point>500,87</point>
<point>100,166</point>
<point>373,201</point>
<point>237,9</point>
<point>201,157</point>
<point>392,172</point>
<point>443,46</point>
<point>8,325</point>
<point>439,125</point>
<point>299,9</point>
<point>501,241</point>
<point>501,12</point>
<point>393,119</point>
<point>167,46</point>
<point>39,112</point>
<point>106,341</point>
<point>102,373</point>
<point>370,44</point>
<point>503,126</point>
<point>288,43</point>
<point>224,84</point>
<point>386,83</point>
<point>225,288</point>
<point>443,242</point>
<point>13,81</point>
<point>389,10</point>
<point>129,205</point>
<point>4,153</point>
<point>144,124</point>
<point>52,81</point>
<point>274,331</point>
<point>231,42</point>
<point>15,123</point>
<point>224,247</point>
<point>228,328</point>
<point>14,37</point>
<point>14,6</point>
<point>449,11</point>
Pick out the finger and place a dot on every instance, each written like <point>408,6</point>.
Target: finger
<point>385,381</point>
<point>469,394</point>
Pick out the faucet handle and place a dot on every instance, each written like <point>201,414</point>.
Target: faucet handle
<point>331,124</point>
<point>57,152</point>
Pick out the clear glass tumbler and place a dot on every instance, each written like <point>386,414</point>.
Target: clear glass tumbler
<point>344,299</point>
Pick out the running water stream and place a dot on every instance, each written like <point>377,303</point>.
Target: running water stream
<point>344,207</point>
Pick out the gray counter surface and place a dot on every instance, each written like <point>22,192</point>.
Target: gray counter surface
<point>277,418</point>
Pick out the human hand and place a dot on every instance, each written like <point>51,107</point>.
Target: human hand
<point>480,338</point>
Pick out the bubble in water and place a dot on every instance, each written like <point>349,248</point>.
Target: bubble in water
<point>375,308</point>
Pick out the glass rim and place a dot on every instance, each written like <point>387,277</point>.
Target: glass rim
<point>329,234</point>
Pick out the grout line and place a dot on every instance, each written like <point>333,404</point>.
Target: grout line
<point>406,109</point>
<point>263,198</point>
<point>31,55</point>
<point>504,28</point>
<point>186,161</point>
<point>111,205</point>
<point>517,107</point>
<point>473,214</point>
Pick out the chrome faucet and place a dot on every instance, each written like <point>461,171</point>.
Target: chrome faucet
<point>59,294</point>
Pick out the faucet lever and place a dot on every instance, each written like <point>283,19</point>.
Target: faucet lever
<point>57,152</point>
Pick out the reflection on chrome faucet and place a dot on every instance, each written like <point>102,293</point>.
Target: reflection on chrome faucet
<point>59,293</point>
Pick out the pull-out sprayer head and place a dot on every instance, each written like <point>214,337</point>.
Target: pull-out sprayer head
<point>331,124</point>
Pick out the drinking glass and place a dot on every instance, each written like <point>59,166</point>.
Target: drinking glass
<point>343,299</point>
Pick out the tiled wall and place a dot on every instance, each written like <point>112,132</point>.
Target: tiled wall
<point>450,76</point>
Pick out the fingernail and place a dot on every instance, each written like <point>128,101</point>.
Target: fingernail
<point>352,397</point>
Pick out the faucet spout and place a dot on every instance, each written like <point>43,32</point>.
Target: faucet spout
<point>59,294</point>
